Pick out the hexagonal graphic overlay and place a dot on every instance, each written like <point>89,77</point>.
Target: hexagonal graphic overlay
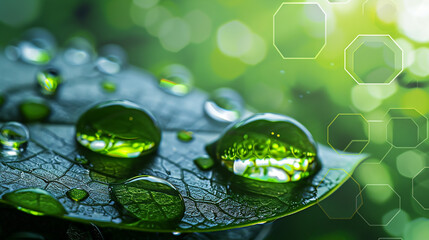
<point>338,1</point>
<point>406,128</point>
<point>340,139</point>
<point>342,203</point>
<point>420,188</point>
<point>299,30</point>
<point>378,202</point>
<point>373,59</point>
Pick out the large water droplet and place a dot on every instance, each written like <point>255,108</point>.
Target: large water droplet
<point>34,201</point>
<point>78,51</point>
<point>150,199</point>
<point>267,147</point>
<point>225,105</point>
<point>38,47</point>
<point>33,110</point>
<point>13,138</point>
<point>176,79</point>
<point>77,194</point>
<point>119,129</point>
<point>112,59</point>
<point>49,79</point>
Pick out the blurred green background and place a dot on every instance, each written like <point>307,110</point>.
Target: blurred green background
<point>229,43</point>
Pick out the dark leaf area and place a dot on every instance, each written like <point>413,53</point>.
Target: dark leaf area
<point>214,200</point>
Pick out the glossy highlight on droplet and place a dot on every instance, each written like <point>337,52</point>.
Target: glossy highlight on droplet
<point>149,199</point>
<point>118,128</point>
<point>268,147</point>
<point>176,79</point>
<point>225,105</point>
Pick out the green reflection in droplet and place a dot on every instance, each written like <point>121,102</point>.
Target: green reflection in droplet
<point>268,147</point>
<point>150,199</point>
<point>49,80</point>
<point>119,129</point>
<point>185,136</point>
<point>35,201</point>
<point>204,163</point>
<point>34,110</point>
<point>77,194</point>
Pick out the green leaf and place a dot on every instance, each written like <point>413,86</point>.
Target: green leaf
<point>214,199</point>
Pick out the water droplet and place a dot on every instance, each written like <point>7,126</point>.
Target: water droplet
<point>150,199</point>
<point>77,194</point>
<point>176,233</point>
<point>49,79</point>
<point>13,138</point>
<point>225,105</point>
<point>282,71</point>
<point>78,51</point>
<point>38,47</point>
<point>185,136</point>
<point>12,52</point>
<point>81,159</point>
<point>112,59</point>
<point>108,86</point>
<point>204,163</point>
<point>35,201</point>
<point>33,110</point>
<point>119,129</point>
<point>176,79</point>
<point>250,149</point>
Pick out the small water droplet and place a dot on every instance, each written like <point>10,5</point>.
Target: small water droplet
<point>38,46</point>
<point>33,110</point>
<point>108,86</point>
<point>35,201</point>
<point>185,136</point>
<point>12,52</point>
<point>176,233</point>
<point>282,71</point>
<point>176,79</point>
<point>225,105</point>
<point>49,79</point>
<point>119,129</point>
<point>285,156</point>
<point>81,159</point>
<point>150,199</point>
<point>112,59</point>
<point>77,194</point>
<point>13,138</point>
<point>204,163</point>
<point>78,51</point>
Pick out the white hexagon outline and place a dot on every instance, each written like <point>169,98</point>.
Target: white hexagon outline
<point>300,3</point>
<point>350,177</point>
<point>349,114</point>
<point>374,35</point>
<point>418,127</point>
<point>399,209</point>
<point>345,2</point>
<point>412,189</point>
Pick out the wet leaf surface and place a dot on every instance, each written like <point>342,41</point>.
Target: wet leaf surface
<point>214,200</point>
